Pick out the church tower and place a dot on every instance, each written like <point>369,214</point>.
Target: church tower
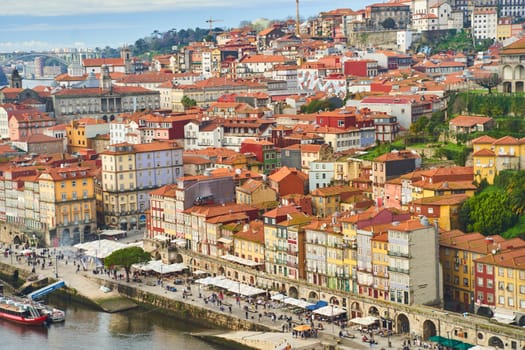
<point>105,78</point>
<point>125,54</point>
<point>16,80</point>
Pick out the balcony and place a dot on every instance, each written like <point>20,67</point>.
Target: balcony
<point>399,254</point>
<point>292,252</point>
<point>398,269</point>
<point>292,264</point>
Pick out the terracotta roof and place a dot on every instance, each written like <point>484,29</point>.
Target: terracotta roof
<point>484,153</point>
<point>250,186</point>
<point>506,140</point>
<point>483,139</point>
<point>511,258</point>
<point>283,172</point>
<point>395,156</point>
<point>195,160</point>
<point>253,232</point>
<point>281,211</point>
<point>39,138</point>
<point>334,191</point>
<point>452,199</point>
<point>469,121</point>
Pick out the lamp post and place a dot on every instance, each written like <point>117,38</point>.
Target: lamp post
<point>56,266</point>
<point>333,321</point>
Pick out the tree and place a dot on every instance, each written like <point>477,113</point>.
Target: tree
<point>488,81</point>
<point>389,23</point>
<point>126,257</point>
<point>188,102</point>
<point>488,213</point>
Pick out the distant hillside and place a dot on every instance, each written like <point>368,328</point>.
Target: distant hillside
<point>163,42</point>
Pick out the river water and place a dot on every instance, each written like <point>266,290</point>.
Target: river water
<point>86,328</point>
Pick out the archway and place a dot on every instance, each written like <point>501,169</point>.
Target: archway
<point>519,86</point>
<point>402,324</point>
<point>178,259</point>
<point>518,73</point>
<point>313,296</point>
<point>293,292</point>
<point>65,239</point>
<point>496,342</point>
<point>252,280</point>
<point>76,236</point>
<point>355,310</point>
<point>123,224</point>
<point>521,321</point>
<point>507,87</point>
<point>429,329</point>
<point>373,311</point>
<point>87,234</point>
<point>17,240</point>
<point>221,271</point>
<point>508,73</point>
<point>334,301</point>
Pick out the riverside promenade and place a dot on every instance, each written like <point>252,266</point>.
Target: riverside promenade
<point>87,285</point>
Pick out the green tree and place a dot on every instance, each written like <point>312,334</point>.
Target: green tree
<point>126,257</point>
<point>188,102</point>
<point>389,23</point>
<point>488,213</point>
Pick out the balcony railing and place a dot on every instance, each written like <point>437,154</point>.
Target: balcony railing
<point>398,269</point>
<point>400,254</point>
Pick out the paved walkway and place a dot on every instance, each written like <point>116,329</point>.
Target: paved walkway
<point>89,284</point>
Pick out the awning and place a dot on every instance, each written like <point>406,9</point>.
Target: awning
<point>160,267</point>
<point>364,321</point>
<point>504,316</point>
<point>241,261</point>
<point>225,240</point>
<point>330,311</point>
<point>450,343</point>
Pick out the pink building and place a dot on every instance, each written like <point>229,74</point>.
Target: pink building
<point>27,122</point>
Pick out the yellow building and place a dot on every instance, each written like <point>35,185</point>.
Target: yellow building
<point>491,156</point>
<point>68,204</point>
<point>459,254</point>
<point>282,244</point>
<point>380,262</point>
<point>500,282</point>
<point>327,200</point>
<point>443,210</point>
<point>248,243</point>
<point>256,193</point>
<point>80,131</point>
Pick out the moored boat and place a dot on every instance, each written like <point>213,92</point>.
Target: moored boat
<point>54,315</point>
<point>22,312</point>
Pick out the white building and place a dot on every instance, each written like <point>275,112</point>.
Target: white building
<point>485,23</point>
<point>414,271</point>
<point>199,135</point>
<point>404,40</point>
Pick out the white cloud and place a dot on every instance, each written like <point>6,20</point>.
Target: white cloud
<point>80,7</point>
<point>45,27</point>
<point>24,45</point>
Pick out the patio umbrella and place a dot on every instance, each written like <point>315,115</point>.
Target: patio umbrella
<point>302,328</point>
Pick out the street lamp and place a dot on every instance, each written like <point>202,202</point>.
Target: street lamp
<point>56,266</point>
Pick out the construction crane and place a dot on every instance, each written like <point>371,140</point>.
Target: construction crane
<point>211,21</point>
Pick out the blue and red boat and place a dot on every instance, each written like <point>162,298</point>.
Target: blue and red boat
<point>21,312</point>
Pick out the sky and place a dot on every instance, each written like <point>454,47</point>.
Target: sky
<point>38,25</point>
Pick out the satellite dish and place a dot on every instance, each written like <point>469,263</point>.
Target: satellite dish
<point>493,251</point>
<point>238,171</point>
